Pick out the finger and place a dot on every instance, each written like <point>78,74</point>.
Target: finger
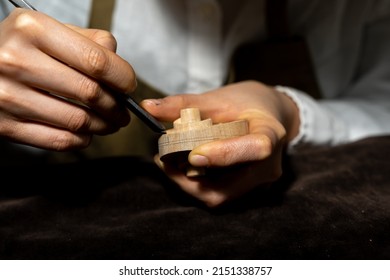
<point>43,136</point>
<point>76,50</point>
<point>168,108</point>
<point>266,138</point>
<point>26,104</point>
<point>49,75</point>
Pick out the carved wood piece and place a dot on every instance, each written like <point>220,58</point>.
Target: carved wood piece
<point>190,131</point>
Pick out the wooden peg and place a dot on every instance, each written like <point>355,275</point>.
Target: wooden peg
<point>190,131</point>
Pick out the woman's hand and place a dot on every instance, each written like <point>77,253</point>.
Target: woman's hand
<point>58,82</point>
<point>237,165</point>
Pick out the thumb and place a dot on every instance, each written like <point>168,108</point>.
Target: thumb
<point>227,152</point>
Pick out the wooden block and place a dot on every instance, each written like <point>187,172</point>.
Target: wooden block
<point>190,131</point>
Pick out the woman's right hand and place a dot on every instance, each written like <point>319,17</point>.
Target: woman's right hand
<point>59,83</point>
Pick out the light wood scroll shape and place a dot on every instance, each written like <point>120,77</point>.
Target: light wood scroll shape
<point>190,131</point>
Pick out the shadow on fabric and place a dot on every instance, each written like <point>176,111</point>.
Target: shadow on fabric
<point>333,203</point>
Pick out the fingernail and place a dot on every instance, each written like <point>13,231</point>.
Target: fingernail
<point>154,102</point>
<point>158,162</point>
<point>198,160</point>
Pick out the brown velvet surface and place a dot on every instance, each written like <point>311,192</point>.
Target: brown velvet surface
<point>332,203</point>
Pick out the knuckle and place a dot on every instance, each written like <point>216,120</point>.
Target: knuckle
<point>91,91</point>
<point>61,142</point>
<point>109,39</point>
<point>7,100</point>
<point>280,131</point>
<point>7,128</point>
<point>23,20</point>
<point>131,82</point>
<point>226,154</point>
<point>26,23</point>
<point>78,121</point>
<point>97,61</point>
<point>9,62</point>
<point>182,100</point>
<point>264,146</point>
<point>230,152</point>
<point>66,141</point>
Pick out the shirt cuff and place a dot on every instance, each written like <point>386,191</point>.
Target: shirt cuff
<point>318,126</point>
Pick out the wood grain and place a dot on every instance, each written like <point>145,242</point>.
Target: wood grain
<point>190,131</point>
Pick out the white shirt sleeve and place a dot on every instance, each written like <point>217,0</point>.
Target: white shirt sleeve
<point>318,125</point>
<point>333,122</point>
<point>353,67</point>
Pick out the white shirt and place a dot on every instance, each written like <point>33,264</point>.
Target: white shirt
<point>182,46</point>
<point>182,40</point>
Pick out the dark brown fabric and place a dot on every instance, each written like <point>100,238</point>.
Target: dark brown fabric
<point>332,203</point>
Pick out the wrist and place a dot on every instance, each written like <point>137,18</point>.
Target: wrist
<point>290,116</point>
